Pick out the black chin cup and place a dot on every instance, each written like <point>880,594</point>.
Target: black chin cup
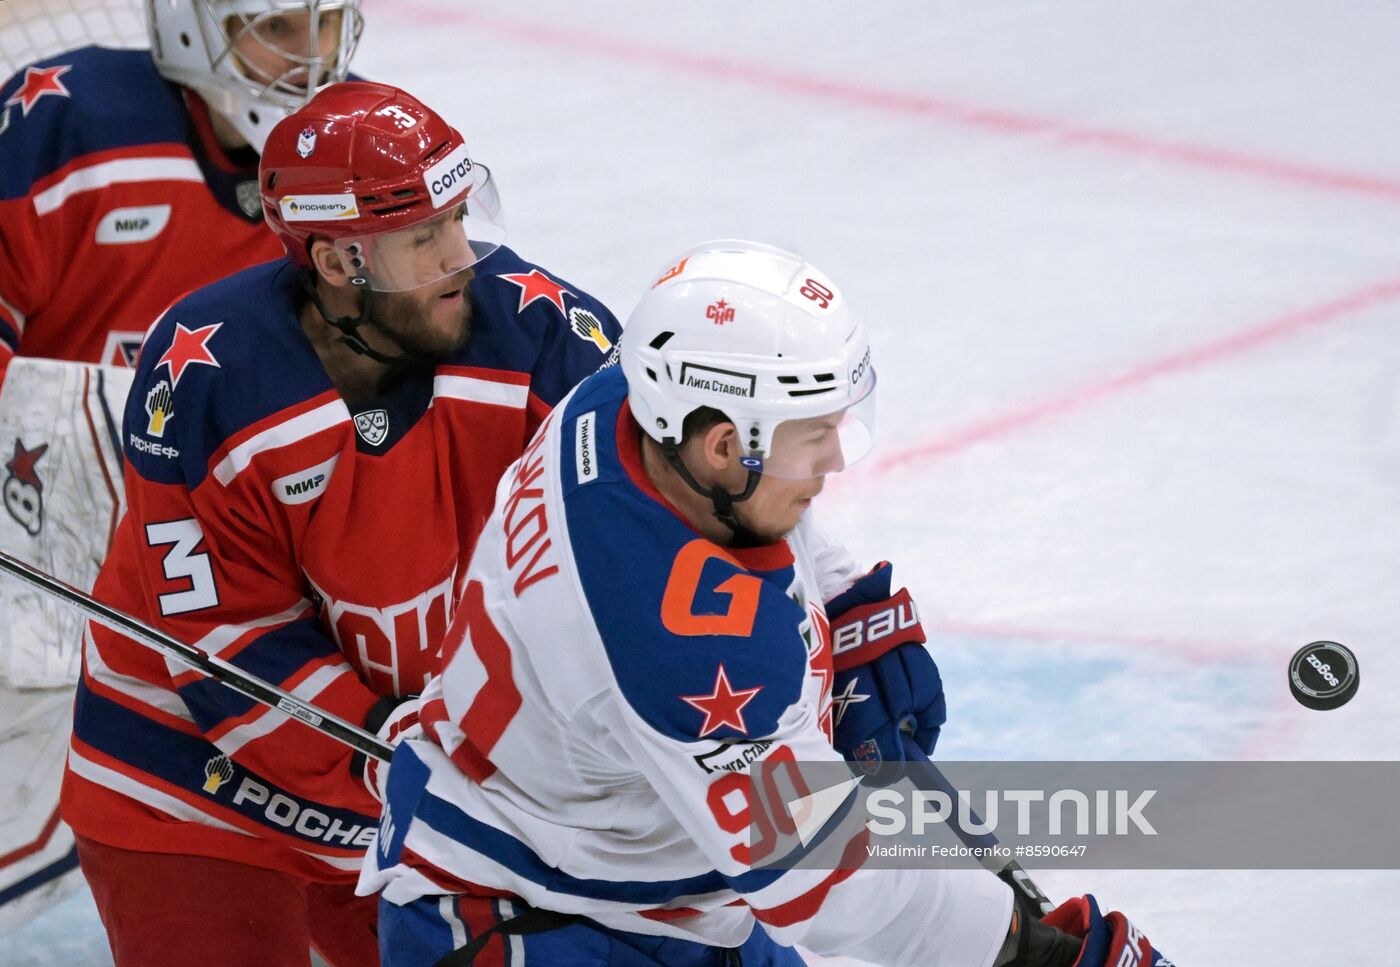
<point>722,500</point>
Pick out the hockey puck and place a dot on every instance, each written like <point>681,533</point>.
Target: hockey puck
<point>1323,675</point>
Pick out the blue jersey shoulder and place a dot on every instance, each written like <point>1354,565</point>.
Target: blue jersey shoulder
<point>527,319</point>
<point>80,103</point>
<point>705,642</point>
<point>219,360</point>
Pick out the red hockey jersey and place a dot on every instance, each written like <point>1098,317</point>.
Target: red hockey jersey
<point>317,546</point>
<point>115,200</point>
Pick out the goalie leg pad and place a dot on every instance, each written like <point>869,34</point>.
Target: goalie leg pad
<point>63,493</point>
<point>38,867</point>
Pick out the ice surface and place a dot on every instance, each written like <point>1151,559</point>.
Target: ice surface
<point>1133,273</point>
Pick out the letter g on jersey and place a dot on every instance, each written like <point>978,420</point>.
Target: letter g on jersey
<point>678,603</point>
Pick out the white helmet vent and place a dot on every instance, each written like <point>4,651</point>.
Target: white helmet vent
<point>790,380</point>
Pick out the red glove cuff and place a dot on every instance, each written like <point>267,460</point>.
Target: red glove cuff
<point>863,634</point>
<point>1072,917</point>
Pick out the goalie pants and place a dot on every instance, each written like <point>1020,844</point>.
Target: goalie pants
<point>424,932</point>
<point>169,910</point>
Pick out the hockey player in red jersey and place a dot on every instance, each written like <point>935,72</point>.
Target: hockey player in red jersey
<point>312,448</point>
<point>127,178</point>
<point>642,623</point>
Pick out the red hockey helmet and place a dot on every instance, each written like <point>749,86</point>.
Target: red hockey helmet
<point>385,179</point>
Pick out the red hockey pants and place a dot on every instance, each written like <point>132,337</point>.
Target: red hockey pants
<point>165,910</point>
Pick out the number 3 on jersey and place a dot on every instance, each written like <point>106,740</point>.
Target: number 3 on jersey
<point>182,563</point>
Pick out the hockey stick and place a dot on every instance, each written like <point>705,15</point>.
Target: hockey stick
<point>355,737</point>
<point>221,671</point>
<point>1007,869</point>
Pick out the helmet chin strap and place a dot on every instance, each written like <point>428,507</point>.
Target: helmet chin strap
<point>722,500</point>
<point>349,326</point>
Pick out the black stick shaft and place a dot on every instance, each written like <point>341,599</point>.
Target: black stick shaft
<point>221,671</point>
<point>1009,870</point>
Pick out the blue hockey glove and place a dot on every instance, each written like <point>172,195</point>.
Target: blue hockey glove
<point>887,697</point>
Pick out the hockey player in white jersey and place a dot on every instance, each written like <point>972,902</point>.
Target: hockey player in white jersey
<point>642,622</point>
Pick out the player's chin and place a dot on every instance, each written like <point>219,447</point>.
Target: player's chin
<point>451,324</point>
<point>784,523</point>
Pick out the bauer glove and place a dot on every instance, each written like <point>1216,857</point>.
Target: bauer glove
<point>887,697</point>
<point>1075,934</point>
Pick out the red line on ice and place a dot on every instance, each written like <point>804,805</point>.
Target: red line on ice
<point>598,46</point>
<point>1096,391</point>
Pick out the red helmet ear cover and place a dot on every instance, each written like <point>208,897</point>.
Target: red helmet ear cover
<point>372,141</point>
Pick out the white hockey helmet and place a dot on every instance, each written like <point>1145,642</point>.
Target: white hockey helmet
<point>192,42</point>
<point>761,335</point>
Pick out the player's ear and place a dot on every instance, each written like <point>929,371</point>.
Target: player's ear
<point>720,447</point>
<point>326,261</point>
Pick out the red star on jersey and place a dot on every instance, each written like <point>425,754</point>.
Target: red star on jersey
<point>21,465</point>
<point>187,348</point>
<point>536,285</point>
<point>39,81</point>
<point>723,706</point>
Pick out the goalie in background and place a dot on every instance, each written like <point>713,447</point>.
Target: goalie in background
<point>127,178</point>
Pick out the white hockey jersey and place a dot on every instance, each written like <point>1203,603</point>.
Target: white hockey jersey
<point>609,679</point>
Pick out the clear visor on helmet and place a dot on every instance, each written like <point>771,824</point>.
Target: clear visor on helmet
<point>819,445</point>
<point>433,249</point>
<point>289,49</point>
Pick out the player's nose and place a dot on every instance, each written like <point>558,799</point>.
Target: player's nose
<point>456,252</point>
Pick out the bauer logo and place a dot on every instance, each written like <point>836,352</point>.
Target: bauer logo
<point>585,459</point>
<point>721,382</point>
<point>450,177</point>
<point>318,208</point>
<point>124,226</point>
<point>870,627</point>
<point>305,485</point>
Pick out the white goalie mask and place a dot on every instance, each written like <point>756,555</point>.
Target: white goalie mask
<point>766,338</point>
<point>254,61</point>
